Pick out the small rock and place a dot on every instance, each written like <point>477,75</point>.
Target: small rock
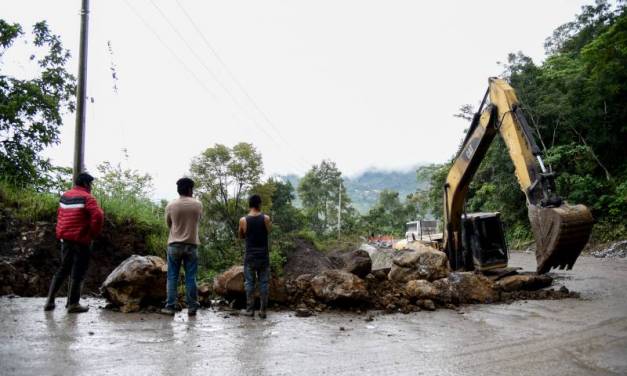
<point>302,312</point>
<point>90,333</point>
<point>426,304</point>
<point>564,289</point>
<point>369,318</point>
<point>342,328</point>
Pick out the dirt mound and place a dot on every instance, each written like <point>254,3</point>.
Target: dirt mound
<point>30,254</point>
<point>304,258</point>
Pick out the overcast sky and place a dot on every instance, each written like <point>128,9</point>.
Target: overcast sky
<point>364,83</point>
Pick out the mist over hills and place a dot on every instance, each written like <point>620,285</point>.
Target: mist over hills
<point>364,188</point>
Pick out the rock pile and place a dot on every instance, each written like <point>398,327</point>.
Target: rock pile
<point>614,250</point>
<point>417,278</point>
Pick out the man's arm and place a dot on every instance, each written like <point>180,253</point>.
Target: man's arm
<point>168,218</point>
<point>96,216</point>
<point>242,228</point>
<point>268,222</point>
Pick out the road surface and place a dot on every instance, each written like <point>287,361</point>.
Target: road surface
<point>586,336</point>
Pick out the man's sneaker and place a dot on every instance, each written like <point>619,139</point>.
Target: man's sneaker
<point>168,311</point>
<point>49,306</point>
<point>77,308</point>
<point>262,314</point>
<point>192,311</point>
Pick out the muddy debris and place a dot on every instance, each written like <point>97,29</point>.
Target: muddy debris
<point>613,250</point>
<point>30,254</point>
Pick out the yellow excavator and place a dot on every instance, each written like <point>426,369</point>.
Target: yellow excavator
<point>475,241</point>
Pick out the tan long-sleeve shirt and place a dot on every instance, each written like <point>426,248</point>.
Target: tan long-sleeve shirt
<point>182,217</point>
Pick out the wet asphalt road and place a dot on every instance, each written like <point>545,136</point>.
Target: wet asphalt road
<point>585,336</point>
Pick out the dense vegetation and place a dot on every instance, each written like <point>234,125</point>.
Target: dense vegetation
<point>575,101</point>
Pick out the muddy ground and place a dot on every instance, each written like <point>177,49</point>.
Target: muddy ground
<point>586,336</point>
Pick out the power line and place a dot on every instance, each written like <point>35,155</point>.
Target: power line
<point>232,76</point>
<point>172,52</point>
<point>213,75</point>
<point>192,73</point>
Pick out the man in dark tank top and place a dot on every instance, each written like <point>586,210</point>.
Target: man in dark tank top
<point>255,228</point>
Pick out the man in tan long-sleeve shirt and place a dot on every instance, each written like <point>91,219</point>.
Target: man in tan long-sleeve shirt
<point>182,217</point>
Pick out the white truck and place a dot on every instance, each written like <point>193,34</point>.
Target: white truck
<point>425,230</point>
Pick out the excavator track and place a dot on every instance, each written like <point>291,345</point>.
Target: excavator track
<point>561,233</point>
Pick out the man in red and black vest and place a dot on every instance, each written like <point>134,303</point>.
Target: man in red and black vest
<point>79,221</point>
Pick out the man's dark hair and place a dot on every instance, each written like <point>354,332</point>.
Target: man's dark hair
<point>254,202</point>
<point>83,180</point>
<point>185,186</point>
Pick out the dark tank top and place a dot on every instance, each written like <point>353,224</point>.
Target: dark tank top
<point>256,241</point>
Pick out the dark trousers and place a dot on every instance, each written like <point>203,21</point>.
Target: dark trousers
<point>74,263</point>
<point>256,271</point>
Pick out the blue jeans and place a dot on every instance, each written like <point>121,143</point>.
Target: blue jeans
<point>186,254</point>
<point>253,272</point>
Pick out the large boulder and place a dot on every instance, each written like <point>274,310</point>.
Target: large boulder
<point>466,287</point>
<point>462,287</point>
<point>278,290</point>
<point>381,258</point>
<point>304,258</point>
<point>421,263</point>
<point>421,289</point>
<point>339,286</point>
<point>357,262</point>
<point>529,282</point>
<point>230,284</point>
<point>137,282</point>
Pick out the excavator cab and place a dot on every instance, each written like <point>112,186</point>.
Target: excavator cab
<point>483,242</point>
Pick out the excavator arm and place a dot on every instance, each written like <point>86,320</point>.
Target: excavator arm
<point>560,230</point>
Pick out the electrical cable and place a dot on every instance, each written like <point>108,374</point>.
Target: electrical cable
<point>178,59</point>
<point>232,76</point>
<point>185,66</point>
<point>214,76</point>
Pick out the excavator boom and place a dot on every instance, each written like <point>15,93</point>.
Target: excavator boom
<point>560,230</point>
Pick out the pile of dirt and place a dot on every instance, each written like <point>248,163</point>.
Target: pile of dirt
<point>304,258</point>
<point>30,254</point>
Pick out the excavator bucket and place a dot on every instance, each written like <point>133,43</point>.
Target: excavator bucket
<point>561,233</point>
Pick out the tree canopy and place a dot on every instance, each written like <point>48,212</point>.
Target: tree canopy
<point>31,109</point>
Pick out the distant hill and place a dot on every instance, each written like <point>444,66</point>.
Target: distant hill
<point>364,188</point>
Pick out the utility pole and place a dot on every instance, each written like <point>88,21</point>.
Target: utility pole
<point>81,96</point>
<point>339,211</point>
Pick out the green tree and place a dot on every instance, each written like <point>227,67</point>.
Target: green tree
<point>285,217</point>
<point>575,103</point>
<point>319,191</point>
<point>223,177</point>
<point>31,109</point>
<point>120,182</point>
<point>389,214</point>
